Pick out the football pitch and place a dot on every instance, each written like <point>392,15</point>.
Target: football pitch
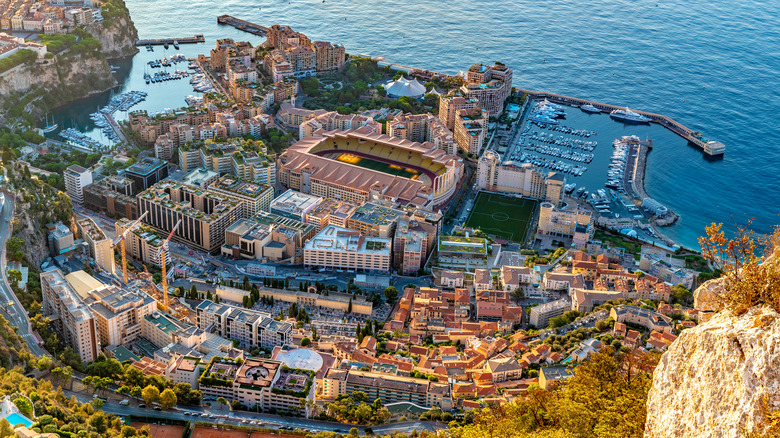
<point>502,217</point>
<point>378,165</point>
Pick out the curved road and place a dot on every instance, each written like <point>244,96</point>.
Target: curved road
<point>10,308</point>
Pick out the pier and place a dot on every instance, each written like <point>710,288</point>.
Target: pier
<point>170,41</point>
<point>710,148</point>
<point>246,26</point>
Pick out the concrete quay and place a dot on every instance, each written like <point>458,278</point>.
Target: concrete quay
<point>170,41</point>
<point>246,26</point>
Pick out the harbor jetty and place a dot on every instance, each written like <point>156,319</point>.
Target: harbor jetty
<point>246,26</point>
<point>199,38</point>
<point>711,148</point>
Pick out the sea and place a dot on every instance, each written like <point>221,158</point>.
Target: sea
<point>712,66</point>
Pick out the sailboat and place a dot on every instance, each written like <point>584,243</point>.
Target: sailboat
<point>51,127</point>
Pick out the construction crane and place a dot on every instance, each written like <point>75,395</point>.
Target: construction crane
<point>163,263</point>
<point>121,240</point>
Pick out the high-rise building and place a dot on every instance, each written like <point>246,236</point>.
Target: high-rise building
<point>294,205</point>
<point>450,104</point>
<point>470,129</point>
<point>422,128</point>
<point>329,56</point>
<point>99,245</point>
<point>576,223</point>
<point>490,85</point>
<point>410,247</point>
<point>143,243</point>
<point>71,318</point>
<point>76,178</point>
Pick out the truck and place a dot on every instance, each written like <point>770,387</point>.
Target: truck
<point>124,402</point>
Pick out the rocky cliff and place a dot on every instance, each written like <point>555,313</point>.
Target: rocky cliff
<point>49,83</point>
<point>117,37</point>
<point>719,379</point>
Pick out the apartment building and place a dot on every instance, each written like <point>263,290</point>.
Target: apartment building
<point>70,318</point>
<point>540,315</point>
<point>387,387</point>
<point>471,129</point>
<point>98,243</point>
<point>574,223</point>
<point>204,215</point>
<point>118,312</point>
<point>332,301</point>
<point>450,104</point>
<point>328,56</point>
<point>410,247</point>
<point>249,327</point>
<point>143,243</point>
<point>422,128</point>
<point>340,248</point>
<point>113,195</point>
<point>489,85</point>
<point>332,120</point>
<point>523,179</point>
<point>255,197</point>
<point>76,178</point>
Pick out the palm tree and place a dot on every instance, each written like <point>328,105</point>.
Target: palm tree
<point>221,401</point>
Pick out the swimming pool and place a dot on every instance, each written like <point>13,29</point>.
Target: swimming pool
<point>15,419</point>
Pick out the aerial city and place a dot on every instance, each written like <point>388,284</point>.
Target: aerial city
<point>416,219</point>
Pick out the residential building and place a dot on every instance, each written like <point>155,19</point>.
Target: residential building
<point>540,315</point>
<point>489,85</point>
<point>333,121</point>
<point>523,179</point>
<point>450,104</point>
<point>574,223</point>
<point>410,247</point>
<point>471,129</point>
<point>551,375</point>
<point>330,211</point>
<point>143,243</point>
<point>200,177</point>
<point>255,197</point>
<point>257,239</point>
<point>387,387</point>
<point>204,216</point>
<point>421,128</point>
<point>71,318</point>
<point>451,279</point>
<point>76,178</point>
<point>98,243</point>
<point>328,56</point>
<point>249,328</point>
<point>60,238</point>
<point>649,319</point>
<point>340,248</point>
<point>333,301</point>
<point>113,195</point>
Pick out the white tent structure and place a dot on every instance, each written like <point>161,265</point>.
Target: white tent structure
<point>405,87</point>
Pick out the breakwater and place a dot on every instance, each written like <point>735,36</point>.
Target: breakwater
<point>170,41</point>
<point>246,26</point>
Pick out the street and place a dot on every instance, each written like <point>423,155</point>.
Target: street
<point>12,309</point>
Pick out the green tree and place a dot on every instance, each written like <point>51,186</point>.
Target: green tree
<point>518,295</point>
<point>391,294</point>
<point>168,399</point>
<point>305,342</point>
<point>349,306</point>
<point>150,394</point>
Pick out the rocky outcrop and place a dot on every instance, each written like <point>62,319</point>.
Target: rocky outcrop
<point>706,298</point>
<point>117,37</point>
<point>718,379</point>
<point>49,83</point>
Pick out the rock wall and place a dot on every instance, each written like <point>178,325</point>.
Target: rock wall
<point>718,379</point>
<point>56,81</point>
<point>117,38</point>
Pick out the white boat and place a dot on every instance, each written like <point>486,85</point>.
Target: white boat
<point>588,108</point>
<point>627,115</point>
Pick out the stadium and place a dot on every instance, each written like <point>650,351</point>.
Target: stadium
<point>359,166</point>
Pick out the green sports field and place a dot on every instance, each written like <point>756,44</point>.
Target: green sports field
<point>502,217</point>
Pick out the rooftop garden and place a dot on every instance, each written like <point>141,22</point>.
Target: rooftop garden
<point>463,244</point>
<point>220,372</point>
<point>294,382</point>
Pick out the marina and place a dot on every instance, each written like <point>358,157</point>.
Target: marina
<point>712,148</point>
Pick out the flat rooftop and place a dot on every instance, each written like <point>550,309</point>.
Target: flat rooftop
<point>468,245</point>
<point>375,214</point>
<point>241,187</point>
<point>199,176</point>
<point>294,203</point>
<point>333,238</point>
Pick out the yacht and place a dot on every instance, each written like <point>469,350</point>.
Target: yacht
<point>627,115</point>
<point>588,108</point>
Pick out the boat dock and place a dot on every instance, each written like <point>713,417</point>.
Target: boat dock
<point>246,26</point>
<point>199,38</point>
<point>710,148</point>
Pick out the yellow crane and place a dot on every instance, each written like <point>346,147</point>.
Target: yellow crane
<point>121,240</point>
<point>163,263</point>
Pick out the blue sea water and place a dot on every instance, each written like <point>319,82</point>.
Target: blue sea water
<point>712,66</point>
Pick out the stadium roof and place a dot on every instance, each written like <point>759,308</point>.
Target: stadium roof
<point>405,87</point>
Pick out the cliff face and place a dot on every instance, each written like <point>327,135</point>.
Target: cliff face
<point>719,378</point>
<point>53,82</point>
<point>117,37</point>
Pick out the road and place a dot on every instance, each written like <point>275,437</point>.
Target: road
<point>12,309</point>
<point>223,416</point>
